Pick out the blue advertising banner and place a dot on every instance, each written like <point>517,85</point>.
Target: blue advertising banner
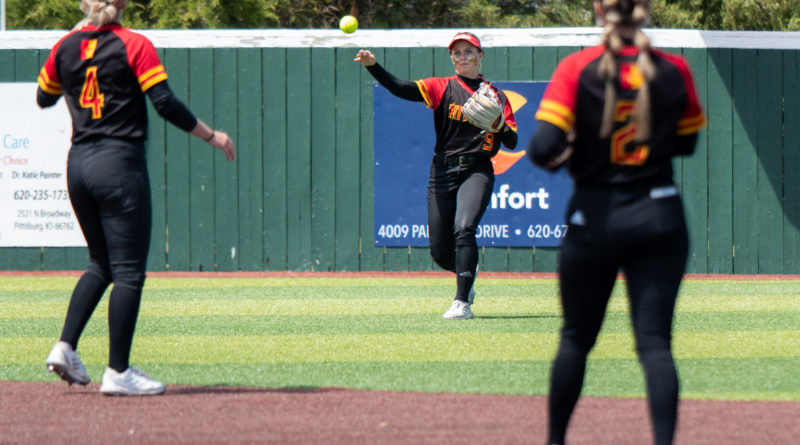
<point>528,203</point>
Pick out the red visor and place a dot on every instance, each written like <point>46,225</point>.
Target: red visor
<point>467,37</point>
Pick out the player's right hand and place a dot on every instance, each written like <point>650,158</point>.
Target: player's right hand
<point>365,57</point>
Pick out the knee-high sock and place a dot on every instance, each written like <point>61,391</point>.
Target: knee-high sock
<point>123,310</point>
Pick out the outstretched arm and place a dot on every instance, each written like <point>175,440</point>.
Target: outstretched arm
<point>172,109</point>
<point>403,89</point>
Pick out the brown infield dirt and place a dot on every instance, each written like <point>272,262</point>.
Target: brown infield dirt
<point>37,412</point>
<point>47,412</point>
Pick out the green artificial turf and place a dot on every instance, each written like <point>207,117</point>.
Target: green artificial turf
<point>732,339</point>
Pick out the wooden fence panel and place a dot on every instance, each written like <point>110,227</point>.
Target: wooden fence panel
<point>719,112</point>
<point>769,196</point>
<point>201,165</point>
<point>225,103</point>
<point>178,180</point>
<point>248,138</point>
<point>745,162</point>
<point>274,143</point>
<point>298,181</point>
<point>323,158</point>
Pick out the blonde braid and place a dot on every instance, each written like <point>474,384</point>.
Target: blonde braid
<point>608,65</point>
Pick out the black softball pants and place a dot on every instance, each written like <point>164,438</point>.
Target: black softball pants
<point>458,196</point>
<point>109,189</point>
<point>653,263</point>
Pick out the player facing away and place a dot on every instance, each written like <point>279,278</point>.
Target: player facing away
<point>461,173</point>
<point>617,114</point>
<point>104,71</point>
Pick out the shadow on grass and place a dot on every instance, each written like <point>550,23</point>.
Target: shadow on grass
<point>213,389</point>
<point>195,390</point>
<point>514,317</point>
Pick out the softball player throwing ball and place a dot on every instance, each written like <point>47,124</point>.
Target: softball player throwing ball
<point>471,119</point>
<point>104,72</point>
<point>638,109</point>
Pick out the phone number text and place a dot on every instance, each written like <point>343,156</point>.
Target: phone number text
<point>40,195</point>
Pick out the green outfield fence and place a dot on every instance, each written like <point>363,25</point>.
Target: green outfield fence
<point>300,196</point>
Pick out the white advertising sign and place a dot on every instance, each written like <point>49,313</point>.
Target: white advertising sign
<point>34,143</point>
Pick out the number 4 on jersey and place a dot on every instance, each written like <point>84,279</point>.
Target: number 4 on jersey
<point>91,97</point>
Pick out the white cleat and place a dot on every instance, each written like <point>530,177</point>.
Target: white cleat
<point>459,310</point>
<point>131,382</point>
<point>66,363</point>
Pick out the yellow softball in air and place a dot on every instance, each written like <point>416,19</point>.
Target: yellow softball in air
<point>348,24</point>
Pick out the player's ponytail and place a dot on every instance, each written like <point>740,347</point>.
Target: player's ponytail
<point>625,18</point>
<point>103,12</point>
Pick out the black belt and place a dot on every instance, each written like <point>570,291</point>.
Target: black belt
<point>461,160</point>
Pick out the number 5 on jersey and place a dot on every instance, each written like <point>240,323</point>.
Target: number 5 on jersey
<point>91,97</point>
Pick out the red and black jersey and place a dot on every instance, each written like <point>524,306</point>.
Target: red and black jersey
<point>103,73</point>
<point>575,98</point>
<point>454,135</point>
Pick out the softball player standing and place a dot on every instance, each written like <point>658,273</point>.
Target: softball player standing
<point>461,173</point>
<point>617,114</point>
<point>104,72</point>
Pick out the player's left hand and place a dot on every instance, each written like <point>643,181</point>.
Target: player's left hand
<point>222,141</point>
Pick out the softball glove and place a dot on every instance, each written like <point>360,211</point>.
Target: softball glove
<point>485,109</point>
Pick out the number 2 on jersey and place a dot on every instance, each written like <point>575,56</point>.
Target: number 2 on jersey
<point>623,138</point>
<point>91,97</point>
